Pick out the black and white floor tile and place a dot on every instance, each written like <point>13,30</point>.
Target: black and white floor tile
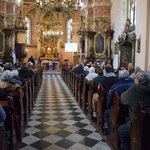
<point>57,123</point>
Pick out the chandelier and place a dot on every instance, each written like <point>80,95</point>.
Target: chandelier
<point>50,30</point>
<point>52,34</point>
<point>58,6</point>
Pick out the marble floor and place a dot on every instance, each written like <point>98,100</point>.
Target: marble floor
<point>57,122</point>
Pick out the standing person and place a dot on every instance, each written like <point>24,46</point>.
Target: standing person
<point>136,93</point>
<point>130,68</point>
<point>31,59</point>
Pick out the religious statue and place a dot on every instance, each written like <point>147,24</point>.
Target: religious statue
<point>82,43</point>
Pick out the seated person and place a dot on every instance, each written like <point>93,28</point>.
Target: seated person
<point>91,75</point>
<point>16,65</point>
<point>110,77</point>
<point>108,80</point>
<point>99,77</point>
<point>130,68</point>
<point>133,75</point>
<point>136,93</point>
<point>78,69</point>
<point>25,72</point>
<point>7,76</point>
<point>96,81</point>
<point>121,86</point>
<point>8,66</point>
<point>16,77</point>
<point>85,71</point>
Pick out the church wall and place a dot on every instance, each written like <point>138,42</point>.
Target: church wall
<point>142,26</point>
<point>31,51</point>
<point>148,12</point>
<point>116,26</point>
<point>141,59</point>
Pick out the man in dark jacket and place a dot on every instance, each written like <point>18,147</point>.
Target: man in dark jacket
<point>31,59</point>
<point>25,72</point>
<point>108,80</point>
<point>136,93</point>
<point>110,77</point>
<point>78,69</point>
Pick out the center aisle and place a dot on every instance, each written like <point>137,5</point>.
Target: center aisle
<point>57,122</point>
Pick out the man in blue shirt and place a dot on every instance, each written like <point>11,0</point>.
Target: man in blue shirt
<point>124,83</point>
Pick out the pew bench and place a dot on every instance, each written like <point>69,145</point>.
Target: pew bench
<point>101,107</point>
<point>118,115</point>
<point>140,128</point>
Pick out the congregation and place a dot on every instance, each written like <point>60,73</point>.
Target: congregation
<point>131,84</point>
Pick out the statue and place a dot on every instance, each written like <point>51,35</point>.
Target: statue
<point>8,51</point>
<point>82,43</point>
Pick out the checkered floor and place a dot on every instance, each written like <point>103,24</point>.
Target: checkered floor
<point>57,123</point>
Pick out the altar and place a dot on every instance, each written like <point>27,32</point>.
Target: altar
<point>50,63</point>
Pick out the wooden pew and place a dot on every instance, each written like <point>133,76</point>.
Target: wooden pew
<point>140,129</point>
<point>18,105</point>
<point>30,99</point>
<point>33,90</point>
<point>84,99</point>
<point>36,84</point>
<point>7,105</point>
<point>77,80</point>
<point>80,86</point>
<point>91,91</point>
<point>74,84</point>
<point>101,107</point>
<point>118,114</point>
<point>90,94</point>
<point>26,102</point>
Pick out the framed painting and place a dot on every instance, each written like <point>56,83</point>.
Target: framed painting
<point>126,54</point>
<point>2,42</point>
<point>99,44</point>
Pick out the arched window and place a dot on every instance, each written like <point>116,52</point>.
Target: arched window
<point>131,11</point>
<point>128,8</point>
<point>28,32</point>
<point>69,31</point>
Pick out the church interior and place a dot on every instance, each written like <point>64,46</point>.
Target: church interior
<point>32,27</point>
<point>55,111</point>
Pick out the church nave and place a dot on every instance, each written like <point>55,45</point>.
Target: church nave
<point>57,122</point>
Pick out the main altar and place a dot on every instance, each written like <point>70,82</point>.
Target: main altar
<point>50,63</point>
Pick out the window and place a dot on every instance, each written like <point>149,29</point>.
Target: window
<point>131,11</point>
<point>28,32</point>
<point>69,31</point>
<point>128,11</point>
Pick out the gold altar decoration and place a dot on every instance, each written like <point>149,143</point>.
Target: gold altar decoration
<point>50,31</point>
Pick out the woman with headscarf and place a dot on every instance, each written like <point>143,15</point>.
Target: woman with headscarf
<point>91,75</point>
